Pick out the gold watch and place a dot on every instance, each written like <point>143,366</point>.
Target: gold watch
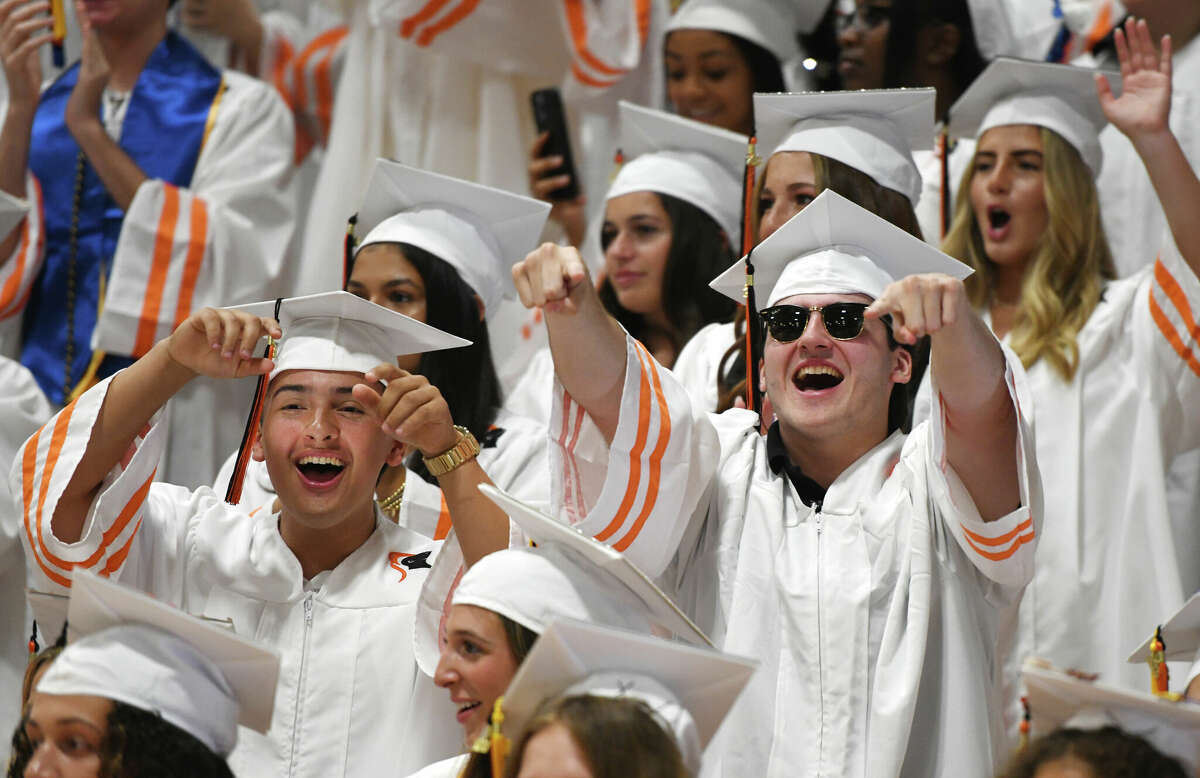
<point>466,449</point>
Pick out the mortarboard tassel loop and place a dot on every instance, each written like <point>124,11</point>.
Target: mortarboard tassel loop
<point>1026,724</point>
<point>233,493</point>
<point>33,641</point>
<point>348,250</point>
<point>753,323</point>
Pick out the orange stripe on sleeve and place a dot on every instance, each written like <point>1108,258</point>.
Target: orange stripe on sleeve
<point>323,84</point>
<point>197,246</point>
<point>577,24</point>
<point>409,25</point>
<point>1000,556</point>
<point>1100,28</point>
<point>164,240</point>
<point>635,455</point>
<point>280,69</point>
<point>117,559</point>
<point>28,475</point>
<point>57,438</point>
<point>443,523</point>
<point>326,39</point>
<point>447,22</point>
<point>664,437</point>
<point>983,540</point>
<point>8,294</point>
<point>1175,294</point>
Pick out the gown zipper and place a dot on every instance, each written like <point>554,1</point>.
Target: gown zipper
<point>308,620</point>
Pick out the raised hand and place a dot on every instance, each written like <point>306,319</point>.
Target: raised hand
<point>220,343</point>
<point>410,409</point>
<point>24,28</point>
<point>83,106</point>
<point>1145,103</point>
<point>553,277</point>
<point>921,305</point>
<point>569,213</point>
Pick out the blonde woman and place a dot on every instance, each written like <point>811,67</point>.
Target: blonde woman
<point>1114,366</point>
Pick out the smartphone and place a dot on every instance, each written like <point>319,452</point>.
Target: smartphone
<point>549,117</point>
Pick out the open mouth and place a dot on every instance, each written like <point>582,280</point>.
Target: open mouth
<point>320,470</point>
<point>998,218</point>
<point>816,378</point>
<point>465,710</point>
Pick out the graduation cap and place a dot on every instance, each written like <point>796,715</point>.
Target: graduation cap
<point>1180,635</point>
<point>1058,700</point>
<point>1058,97</point>
<point>568,575</point>
<point>334,331</point>
<point>479,231</point>
<point>836,247</point>
<point>874,131</point>
<point>772,24</point>
<point>690,689</point>
<point>126,646</point>
<point>695,162</point>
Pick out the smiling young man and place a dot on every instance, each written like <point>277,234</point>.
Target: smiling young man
<point>324,579</point>
<point>868,570</point>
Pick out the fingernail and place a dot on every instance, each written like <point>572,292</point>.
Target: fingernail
<point>386,429</point>
<point>246,354</point>
<point>226,354</point>
<point>216,346</point>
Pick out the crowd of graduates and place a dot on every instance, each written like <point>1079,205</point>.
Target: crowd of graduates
<point>601,388</point>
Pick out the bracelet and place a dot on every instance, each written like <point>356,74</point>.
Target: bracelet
<point>391,504</point>
<point>463,451</point>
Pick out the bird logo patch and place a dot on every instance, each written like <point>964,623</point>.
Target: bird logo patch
<point>402,562</point>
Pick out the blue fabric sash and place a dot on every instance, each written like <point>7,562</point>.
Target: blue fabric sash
<point>163,132</point>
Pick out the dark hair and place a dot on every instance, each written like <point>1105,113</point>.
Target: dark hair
<point>766,72</point>
<point>465,376</point>
<point>618,737</point>
<point>1109,752</point>
<point>907,17</point>
<point>138,744</point>
<point>700,250</point>
<point>40,661</point>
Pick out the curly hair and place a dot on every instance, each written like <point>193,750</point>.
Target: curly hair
<point>1108,752</point>
<point>138,744</point>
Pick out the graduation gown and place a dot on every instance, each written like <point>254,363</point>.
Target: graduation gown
<point>206,229</point>
<point>875,615</point>
<point>350,696</point>
<point>1113,559</point>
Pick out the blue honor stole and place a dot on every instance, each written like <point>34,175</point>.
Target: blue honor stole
<point>163,132</point>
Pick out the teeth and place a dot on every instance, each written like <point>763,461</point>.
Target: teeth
<point>808,370</point>
<point>321,461</point>
<point>468,706</point>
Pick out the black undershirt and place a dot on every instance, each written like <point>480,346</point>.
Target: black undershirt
<point>811,493</point>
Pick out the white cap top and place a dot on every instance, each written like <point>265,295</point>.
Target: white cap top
<point>692,689</point>
<point>479,231</point>
<point>695,162</point>
<point>1057,700</point>
<point>1058,97</point>
<point>834,247</point>
<point>772,24</point>
<point>568,576</point>
<point>127,646</point>
<point>874,131</point>
<point>338,331</point>
<point>1180,635</point>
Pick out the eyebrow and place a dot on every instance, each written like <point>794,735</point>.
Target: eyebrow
<point>703,54</point>
<point>301,389</point>
<point>1017,153</point>
<point>31,722</point>
<point>462,632</point>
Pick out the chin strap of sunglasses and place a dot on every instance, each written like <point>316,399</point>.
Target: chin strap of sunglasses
<point>753,322</point>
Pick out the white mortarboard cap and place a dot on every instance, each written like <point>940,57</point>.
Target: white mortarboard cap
<point>692,689</point>
<point>695,162</point>
<point>772,24</point>
<point>1013,28</point>
<point>1059,700</point>
<point>1180,635</point>
<point>127,646</point>
<point>12,211</point>
<point>568,576</point>
<point>874,131</point>
<point>479,231</point>
<point>834,247</point>
<point>1058,97</point>
<point>338,331</point>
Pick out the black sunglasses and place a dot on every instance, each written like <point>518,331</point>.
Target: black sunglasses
<point>843,321</point>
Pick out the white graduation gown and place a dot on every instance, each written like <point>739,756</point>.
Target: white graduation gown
<point>218,242</point>
<point>1113,561</point>
<point>350,697</point>
<point>875,618</point>
<point>23,408</point>
<point>447,768</point>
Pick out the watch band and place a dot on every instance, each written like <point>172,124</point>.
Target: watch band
<point>464,450</point>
